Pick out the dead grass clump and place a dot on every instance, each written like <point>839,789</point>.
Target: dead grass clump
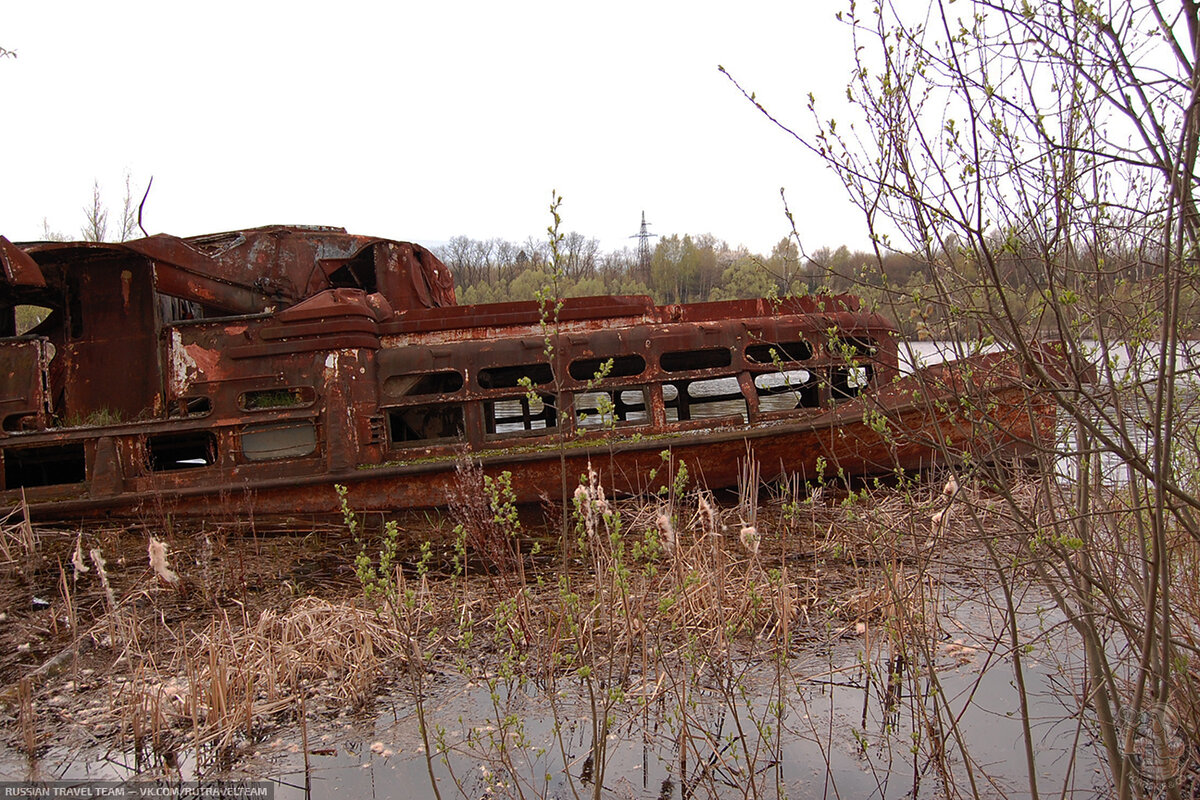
<point>319,640</point>
<point>229,683</point>
<point>883,524</point>
<point>899,600</point>
<point>874,525</point>
<point>718,606</point>
<point>316,643</point>
<point>18,541</point>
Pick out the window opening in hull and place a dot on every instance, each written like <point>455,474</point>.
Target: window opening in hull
<point>705,399</point>
<point>784,391</point>
<point>688,360</point>
<point>511,377</point>
<point>611,407</point>
<point>783,351</point>
<point>357,273</point>
<point>585,369</point>
<point>520,414</point>
<point>424,423</point>
<point>849,382</point>
<point>269,399</point>
<point>181,451</point>
<point>44,466</point>
<point>271,442</point>
<point>399,386</point>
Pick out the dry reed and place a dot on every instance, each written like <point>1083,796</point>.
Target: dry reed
<point>226,685</point>
<point>18,540</point>
<point>27,718</point>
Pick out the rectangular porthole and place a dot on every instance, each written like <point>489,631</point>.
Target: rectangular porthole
<point>586,369</point>
<point>424,423</point>
<point>703,399</point>
<point>784,391</point>
<point>44,466</point>
<point>621,406</point>
<point>849,382</point>
<point>511,377</point>
<point>688,360</point>
<point>520,414</point>
<point>181,451</point>
<point>781,351</point>
<point>271,442</point>
<point>397,387</point>
<point>269,399</point>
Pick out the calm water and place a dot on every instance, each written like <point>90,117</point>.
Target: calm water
<point>828,724</point>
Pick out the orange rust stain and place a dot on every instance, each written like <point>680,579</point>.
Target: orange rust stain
<point>205,360</point>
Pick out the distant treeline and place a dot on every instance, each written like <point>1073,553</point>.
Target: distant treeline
<point>680,269</point>
<point>941,293</point>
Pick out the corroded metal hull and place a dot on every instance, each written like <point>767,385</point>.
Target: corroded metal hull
<point>250,373</point>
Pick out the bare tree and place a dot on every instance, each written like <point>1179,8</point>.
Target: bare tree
<point>1029,155</point>
<point>507,256</point>
<point>579,256</point>
<point>95,226</point>
<point>535,251</point>
<point>456,255</point>
<point>129,212</point>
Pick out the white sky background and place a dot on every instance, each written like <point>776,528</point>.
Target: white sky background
<point>423,121</point>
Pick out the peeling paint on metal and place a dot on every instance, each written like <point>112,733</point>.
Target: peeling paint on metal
<point>182,365</point>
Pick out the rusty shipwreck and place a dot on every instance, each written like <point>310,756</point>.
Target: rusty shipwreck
<point>251,371</point>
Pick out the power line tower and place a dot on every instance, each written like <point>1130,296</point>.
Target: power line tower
<point>643,249</point>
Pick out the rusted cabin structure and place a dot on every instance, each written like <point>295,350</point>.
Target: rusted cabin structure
<point>255,369</point>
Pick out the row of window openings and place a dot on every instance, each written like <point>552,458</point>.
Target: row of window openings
<point>701,399</point>
<point>66,463</point>
<point>507,377</point>
<point>625,366</point>
<point>718,397</point>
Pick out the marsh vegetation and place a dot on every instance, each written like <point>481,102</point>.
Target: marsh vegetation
<point>784,642</point>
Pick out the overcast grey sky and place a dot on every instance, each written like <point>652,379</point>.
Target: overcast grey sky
<point>422,121</point>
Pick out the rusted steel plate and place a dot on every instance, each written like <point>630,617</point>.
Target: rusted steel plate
<point>992,420</point>
<point>248,372</point>
<point>19,268</point>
